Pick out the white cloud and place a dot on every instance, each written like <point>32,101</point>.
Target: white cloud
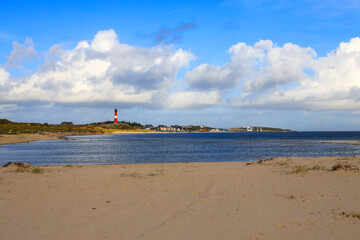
<point>281,77</point>
<point>104,41</point>
<point>101,73</point>
<point>192,99</point>
<point>208,76</point>
<point>4,76</point>
<point>21,53</point>
<point>106,72</point>
<point>333,85</point>
<point>278,66</point>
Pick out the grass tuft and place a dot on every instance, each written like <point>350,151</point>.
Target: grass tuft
<point>69,165</point>
<point>352,215</point>
<point>304,169</point>
<point>284,164</point>
<point>21,169</point>
<point>37,170</point>
<point>133,175</point>
<point>300,169</point>
<point>318,167</point>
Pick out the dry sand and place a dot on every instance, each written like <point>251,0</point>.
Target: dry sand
<point>187,201</point>
<point>28,137</point>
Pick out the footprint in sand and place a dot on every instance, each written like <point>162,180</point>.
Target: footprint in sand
<point>257,238</point>
<point>308,223</point>
<point>280,225</point>
<point>296,223</point>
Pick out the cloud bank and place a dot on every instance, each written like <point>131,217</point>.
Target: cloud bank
<point>284,77</point>
<point>105,72</point>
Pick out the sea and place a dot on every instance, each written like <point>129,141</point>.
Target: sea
<point>180,147</point>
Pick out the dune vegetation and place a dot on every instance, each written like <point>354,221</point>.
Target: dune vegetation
<point>9,127</point>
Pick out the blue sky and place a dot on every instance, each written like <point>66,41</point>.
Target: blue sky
<point>279,63</point>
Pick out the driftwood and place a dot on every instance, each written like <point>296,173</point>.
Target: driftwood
<point>260,161</point>
<point>344,167</point>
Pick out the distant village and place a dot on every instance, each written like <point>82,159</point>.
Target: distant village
<point>201,128</point>
<point>178,128</point>
<point>189,128</point>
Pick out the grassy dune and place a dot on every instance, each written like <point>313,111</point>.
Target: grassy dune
<point>8,127</point>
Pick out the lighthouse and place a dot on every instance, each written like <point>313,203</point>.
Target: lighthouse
<point>115,117</point>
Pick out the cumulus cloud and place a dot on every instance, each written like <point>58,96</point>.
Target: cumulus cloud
<point>4,76</point>
<point>104,41</point>
<point>208,76</point>
<point>283,77</point>
<point>281,80</point>
<point>21,53</point>
<point>106,72</point>
<point>253,68</point>
<point>101,72</point>
<point>274,65</point>
<point>193,100</point>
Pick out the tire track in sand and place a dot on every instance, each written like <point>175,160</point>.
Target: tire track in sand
<point>183,210</point>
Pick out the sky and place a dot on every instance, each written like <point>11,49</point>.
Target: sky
<point>230,63</point>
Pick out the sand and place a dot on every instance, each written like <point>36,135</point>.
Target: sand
<point>31,137</point>
<point>346,143</point>
<point>28,137</point>
<point>265,200</point>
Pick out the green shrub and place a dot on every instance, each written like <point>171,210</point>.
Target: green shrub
<point>21,169</point>
<point>300,169</point>
<point>317,167</point>
<point>285,164</point>
<point>304,169</point>
<point>37,170</point>
<point>133,175</point>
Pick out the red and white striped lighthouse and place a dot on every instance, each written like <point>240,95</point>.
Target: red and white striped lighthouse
<point>115,117</point>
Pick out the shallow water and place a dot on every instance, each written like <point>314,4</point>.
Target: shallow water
<point>179,147</point>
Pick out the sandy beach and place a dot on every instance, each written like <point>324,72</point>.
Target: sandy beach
<point>31,137</point>
<point>282,198</point>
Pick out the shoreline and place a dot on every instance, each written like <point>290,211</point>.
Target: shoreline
<point>346,143</point>
<point>278,198</point>
<point>29,137</point>
<point>265,161</point>
<point>33,137</point>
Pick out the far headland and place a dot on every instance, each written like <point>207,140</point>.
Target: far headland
<point>16,132</point>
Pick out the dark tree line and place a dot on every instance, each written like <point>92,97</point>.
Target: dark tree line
<point>133,124</point>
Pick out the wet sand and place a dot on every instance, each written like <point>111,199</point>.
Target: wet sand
<point>283,198</point>
<point>31,137</point>
<point>346,143</point>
